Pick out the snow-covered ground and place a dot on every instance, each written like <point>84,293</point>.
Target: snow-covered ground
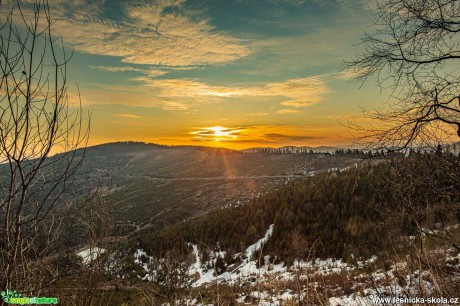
<point>246,269</point>
<point>90,254</point>
<point>368,278</point>
<point>141,258</point>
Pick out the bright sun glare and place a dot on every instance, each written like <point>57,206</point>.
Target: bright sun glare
<point>220,131</point>
<point>216,133</point>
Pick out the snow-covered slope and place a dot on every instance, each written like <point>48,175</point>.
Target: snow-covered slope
<point>274,284</point>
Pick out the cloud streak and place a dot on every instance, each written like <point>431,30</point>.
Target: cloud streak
<point>299,92</point>
<point>183,94</point>
<point>254,134</point>
<point>287,111</point>
<point>128,116</point>
<point>257,114</point>
<point>117,69</point>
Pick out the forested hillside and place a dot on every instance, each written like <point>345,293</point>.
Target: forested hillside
<point>149,186</point>
<point>357,212</point>
<point>375,228</point>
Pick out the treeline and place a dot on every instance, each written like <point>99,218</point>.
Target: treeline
<point>358,212</point>
<point>122,147</point>
<point>354,153</point>
<point>357,153</point>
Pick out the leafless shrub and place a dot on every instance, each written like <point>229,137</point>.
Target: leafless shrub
<point>413,52</point>
<point>36,120</point>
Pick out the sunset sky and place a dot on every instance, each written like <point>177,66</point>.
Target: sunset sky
<point>231,73</point>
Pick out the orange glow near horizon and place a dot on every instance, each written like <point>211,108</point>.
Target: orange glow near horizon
<point>237,137</point>
<point>243,137</point>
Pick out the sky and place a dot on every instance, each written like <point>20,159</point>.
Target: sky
<point>226,73</point>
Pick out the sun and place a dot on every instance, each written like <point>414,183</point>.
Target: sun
<point>220,131</point>
<point>216,133</point>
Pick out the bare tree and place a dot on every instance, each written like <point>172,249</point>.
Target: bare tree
<point>36,121</point>
<point>99,224</point>
<point>299,246</point>
<point>413,50</point>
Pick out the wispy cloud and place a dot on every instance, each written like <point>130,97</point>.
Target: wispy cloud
<point>117,68</point>
<point>129,116</point>
<point>298,92</point>
<point>277,137</point>
<point>304,92</point>
<point>184,94</point>
<point>347,75</point>
<point>148,73</point>
<point>258,114</point>
<point>286,111</point>
<point>162,33</point>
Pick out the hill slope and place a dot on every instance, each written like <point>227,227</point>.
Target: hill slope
<point>150,186</point>
<point>339,212</point>
<point>343,235</point>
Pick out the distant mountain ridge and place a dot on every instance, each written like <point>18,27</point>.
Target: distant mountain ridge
<point>290,150</point>
<point>135,146</point>
<point>453,148</point>
<point>146,146</point>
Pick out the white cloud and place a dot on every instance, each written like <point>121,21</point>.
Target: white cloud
<point>129,116</point>
<point>298,92</point>
<point>149,73</point>
<point>184,94</point>
<point>117,69</point>
<point>161,33</point>
<point>347,75</point>
<point>286,111</point>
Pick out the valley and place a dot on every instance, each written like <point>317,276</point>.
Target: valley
<point>150,186</point>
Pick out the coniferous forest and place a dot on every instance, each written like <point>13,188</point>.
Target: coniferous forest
<point>359,212</point>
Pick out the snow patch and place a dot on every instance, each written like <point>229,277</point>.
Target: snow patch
<point>90,254</point>
<point>144,260</point>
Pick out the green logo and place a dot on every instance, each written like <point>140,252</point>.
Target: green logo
<point>13,297</point>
